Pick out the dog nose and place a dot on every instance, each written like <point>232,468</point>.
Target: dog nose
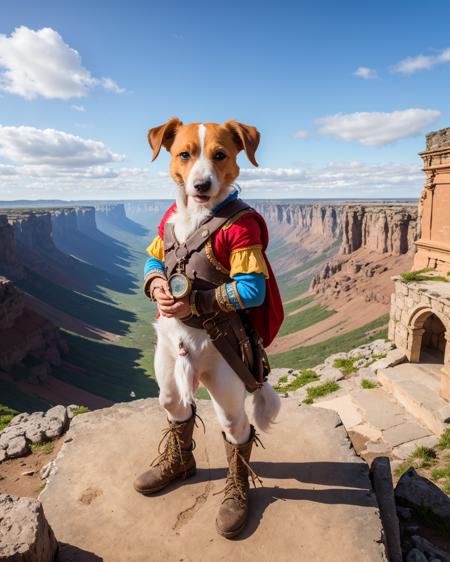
<point>202,186</point>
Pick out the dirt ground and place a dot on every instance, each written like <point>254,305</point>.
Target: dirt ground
<point>20,477</point>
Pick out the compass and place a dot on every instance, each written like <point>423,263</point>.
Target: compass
<point>179,285</point>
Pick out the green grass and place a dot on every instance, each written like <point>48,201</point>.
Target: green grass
<point>309,356</point>
<point>80,410</point>
<point>321,390</point>
<point>368,384</point>
<point>444,440</point>
<point>6,415</point>
<point>400,470</point>
<point>421,457</point>
<point>420,275</point>
<point>347,365</point>
<point>295,305</point>
<point>202,394</point>
<point>303,378</point>
<point>45,448</point>
<point>442,477</point>
<point>304,319</point>
<point>424,454</point>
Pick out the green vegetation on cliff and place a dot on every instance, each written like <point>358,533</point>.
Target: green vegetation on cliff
<point>308,356</point>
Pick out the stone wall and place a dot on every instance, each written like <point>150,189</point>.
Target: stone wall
<point>412,306</point>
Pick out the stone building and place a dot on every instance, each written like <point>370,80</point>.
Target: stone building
<point>420,308</point>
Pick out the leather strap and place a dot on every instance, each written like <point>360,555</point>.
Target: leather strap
<point>220,340</point>
<point>203,232</point>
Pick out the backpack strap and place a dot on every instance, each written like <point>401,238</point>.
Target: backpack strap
<point>203,232</point>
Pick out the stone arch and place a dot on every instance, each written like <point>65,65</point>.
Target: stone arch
<point>423,328</point>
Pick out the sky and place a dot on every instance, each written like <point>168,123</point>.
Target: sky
<point>341,92</point>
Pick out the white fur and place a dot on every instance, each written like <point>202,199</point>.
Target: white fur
<point>178,376</point>
<point>266,406</point>
<point>203,169</point>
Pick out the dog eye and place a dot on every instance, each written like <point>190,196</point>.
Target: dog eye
<point>219,155</point>
<point>184,155</point>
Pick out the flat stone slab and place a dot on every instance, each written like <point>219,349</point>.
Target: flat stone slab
<point>316,503</point>
<point>416,387</point>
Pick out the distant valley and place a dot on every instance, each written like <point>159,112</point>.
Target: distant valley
<point>75,326</point>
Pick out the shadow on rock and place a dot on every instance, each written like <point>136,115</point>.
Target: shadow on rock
<point>70,553</point>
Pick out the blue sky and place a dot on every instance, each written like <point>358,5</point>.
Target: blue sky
<point>74,125</point>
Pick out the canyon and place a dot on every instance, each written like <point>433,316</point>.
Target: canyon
<point>377,243</point>
<point>71,274</point>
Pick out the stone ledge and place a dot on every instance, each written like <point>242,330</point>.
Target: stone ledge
<point>313,481</point>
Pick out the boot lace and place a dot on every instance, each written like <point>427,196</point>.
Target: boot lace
<point>236,485</point>
<point>172,455</point>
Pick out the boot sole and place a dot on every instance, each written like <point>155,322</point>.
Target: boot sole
<point>233,533</point>
<point>189,473</point>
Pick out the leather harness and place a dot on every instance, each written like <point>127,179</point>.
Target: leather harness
<point>231,332</point>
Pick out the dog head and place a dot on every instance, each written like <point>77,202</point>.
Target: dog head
<point>204,155</point>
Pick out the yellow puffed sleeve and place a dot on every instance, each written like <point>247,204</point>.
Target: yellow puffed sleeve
<point>248,260</point>
<point>156,248</point>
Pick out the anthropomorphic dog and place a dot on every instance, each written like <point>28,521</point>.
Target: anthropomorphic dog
<point>218,306</point>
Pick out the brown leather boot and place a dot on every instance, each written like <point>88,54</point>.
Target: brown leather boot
<point>175,461</point>
<point>233,512</point>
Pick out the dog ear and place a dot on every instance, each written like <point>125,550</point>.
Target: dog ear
<point>163,136</point>
<point>246,137</point>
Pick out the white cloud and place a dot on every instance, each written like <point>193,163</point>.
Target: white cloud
<point>39,63</point>
<point>300,134</point>
<point>378,128</point>
<point>336,179</point>
<point>28,145</point>
<point>79,108</point>
<point>365,72</point>
<point>410,65</point>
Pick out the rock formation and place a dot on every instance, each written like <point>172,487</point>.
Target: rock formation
<point>10,265</point>
<point>31,344</point>
<point>377,242</point>
<point>25,535</point>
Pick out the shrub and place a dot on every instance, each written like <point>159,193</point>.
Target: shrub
<point>419,276</point>
<point>80,410</point>
<point>444,441</point>
<point>368,384</point>
<point>304,377</point>
<point>321,390</point>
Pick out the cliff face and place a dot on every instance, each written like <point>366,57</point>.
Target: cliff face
<point>111,212</point>
<point>386,229</point>
<point>10,265</point>
<point>312,223</point>
<point>377,243</point>
<point>31,344</point>
<point>33,229</point>
<point>299,231</point>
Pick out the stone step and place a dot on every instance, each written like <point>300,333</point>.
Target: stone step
<point>416,387</point>
<point>316,504</point>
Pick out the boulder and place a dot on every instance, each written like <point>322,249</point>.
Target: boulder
<point>429,549</point>
<point>419,493</point>
<point>17,447</point>
<point>25,535</point>
<point>415,555</point>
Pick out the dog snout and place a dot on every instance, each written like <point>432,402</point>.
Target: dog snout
<point>203,185</point>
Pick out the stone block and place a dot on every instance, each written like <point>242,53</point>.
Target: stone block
<point>25,535</point>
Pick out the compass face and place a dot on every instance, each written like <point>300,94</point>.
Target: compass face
<point>179,285</point>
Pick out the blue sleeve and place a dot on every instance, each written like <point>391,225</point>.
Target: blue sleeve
<point>251,288</point>
<point>153,264</point>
